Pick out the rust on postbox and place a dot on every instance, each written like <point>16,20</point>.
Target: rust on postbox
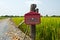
<point>32,18</point>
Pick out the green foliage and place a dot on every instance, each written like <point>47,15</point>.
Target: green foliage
<point>17,20</point>
<point>48,29</point>
<point>2,18</point>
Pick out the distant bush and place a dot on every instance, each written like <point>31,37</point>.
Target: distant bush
<point>55,16</point>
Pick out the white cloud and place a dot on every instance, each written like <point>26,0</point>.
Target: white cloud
<point>33,2</point>
<point>1,3</point>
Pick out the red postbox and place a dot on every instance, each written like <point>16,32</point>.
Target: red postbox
<point>32,18</point>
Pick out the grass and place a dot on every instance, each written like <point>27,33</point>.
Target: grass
<point>48,29</point>
<point>17,20</point>
<point>2,18</point>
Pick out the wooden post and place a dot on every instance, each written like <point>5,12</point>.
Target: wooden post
<point>32,18</point>
<point>33,27</point>
<point>33,32</point>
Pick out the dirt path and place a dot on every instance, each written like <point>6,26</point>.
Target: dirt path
<point>8,31</point>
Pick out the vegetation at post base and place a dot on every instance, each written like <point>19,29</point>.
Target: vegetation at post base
<point>48,29</point>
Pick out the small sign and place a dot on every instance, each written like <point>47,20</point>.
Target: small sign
<point>32,18</point>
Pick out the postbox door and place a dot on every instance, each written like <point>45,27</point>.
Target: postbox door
<point>32,19</point>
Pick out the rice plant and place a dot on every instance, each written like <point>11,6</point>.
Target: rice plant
<point>48,29</point>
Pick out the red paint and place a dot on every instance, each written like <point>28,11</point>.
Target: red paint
<point>32,18</point>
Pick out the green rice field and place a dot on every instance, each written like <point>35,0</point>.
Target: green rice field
<point>48,29</point>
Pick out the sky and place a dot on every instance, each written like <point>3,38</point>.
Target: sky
<point>21,7</point>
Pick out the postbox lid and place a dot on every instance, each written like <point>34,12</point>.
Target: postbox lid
<point>33,13</point>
